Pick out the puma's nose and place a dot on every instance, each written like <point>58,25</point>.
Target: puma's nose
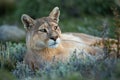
<point>54,38</point>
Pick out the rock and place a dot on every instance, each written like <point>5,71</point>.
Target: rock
<point>11,33</point>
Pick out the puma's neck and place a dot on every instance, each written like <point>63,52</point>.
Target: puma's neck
<point>48,53</point>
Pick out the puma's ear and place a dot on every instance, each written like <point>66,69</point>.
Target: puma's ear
<point>55,13</point>
<point>27,21</point>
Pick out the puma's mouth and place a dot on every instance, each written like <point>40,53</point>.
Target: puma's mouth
<point>53,44</point>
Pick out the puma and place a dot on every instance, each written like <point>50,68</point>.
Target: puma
<point>45,41</point>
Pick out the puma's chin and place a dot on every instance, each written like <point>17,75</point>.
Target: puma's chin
<point>53,46</point>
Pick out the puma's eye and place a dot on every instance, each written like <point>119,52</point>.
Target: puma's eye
<point>43,30</point>
<point>55,27</point>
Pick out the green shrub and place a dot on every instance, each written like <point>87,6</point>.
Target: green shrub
<point>75,69</point>
<point>10,53</point>
<point>5,75</point>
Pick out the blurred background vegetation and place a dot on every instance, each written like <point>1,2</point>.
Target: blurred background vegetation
<point>93,17</point>
<point>11,10</point>
<point>76,15</point>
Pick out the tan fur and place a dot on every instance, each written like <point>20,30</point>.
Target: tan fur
<point>42,32</point>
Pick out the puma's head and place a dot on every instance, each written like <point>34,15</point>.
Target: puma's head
<point>43,32</point>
